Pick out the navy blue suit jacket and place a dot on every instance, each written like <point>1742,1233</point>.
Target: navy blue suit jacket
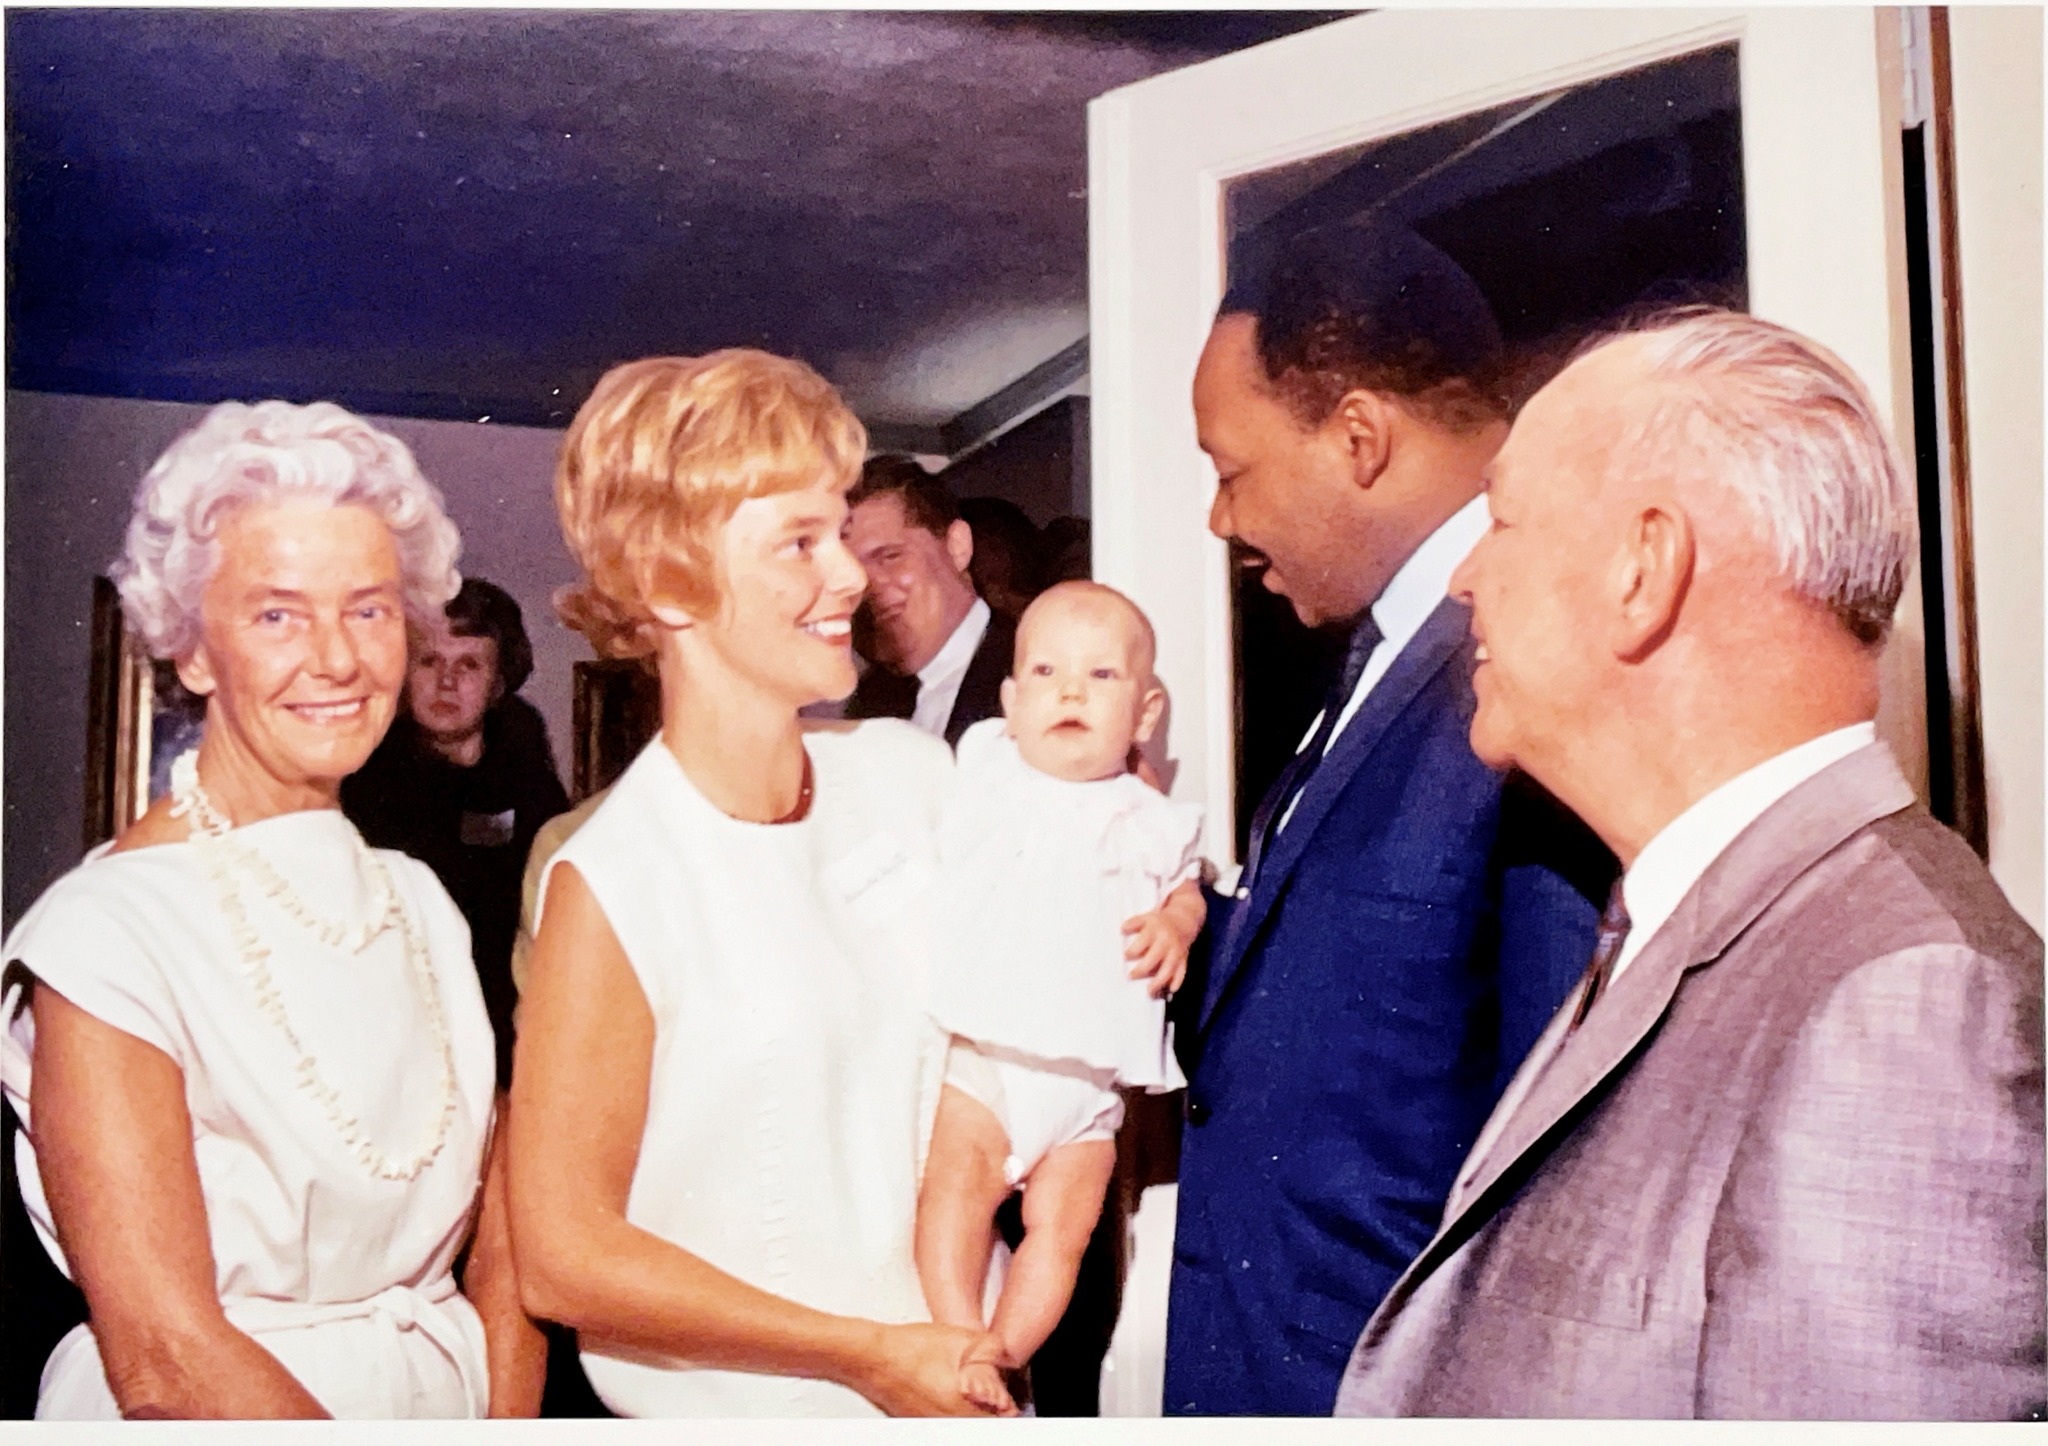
<point>1361,1007</point>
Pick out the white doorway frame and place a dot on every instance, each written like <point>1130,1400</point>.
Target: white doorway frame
<point>1821,176</point>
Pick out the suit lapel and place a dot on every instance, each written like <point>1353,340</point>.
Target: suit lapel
<point>1562,1071</point>
<point>1784,842</point>
<point>1439,640</point>
<point>980,694</point>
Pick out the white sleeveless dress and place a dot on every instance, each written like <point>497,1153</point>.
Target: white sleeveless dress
<point>344,1277</point>
<point>795,1071</point>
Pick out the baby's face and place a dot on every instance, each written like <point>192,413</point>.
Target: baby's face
<point>1082,691</point>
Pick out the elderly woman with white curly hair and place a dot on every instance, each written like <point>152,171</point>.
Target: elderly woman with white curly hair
<point>250,1053</point>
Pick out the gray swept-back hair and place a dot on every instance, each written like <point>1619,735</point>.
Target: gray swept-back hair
<point>1783,424</point>
<point>269,452</point>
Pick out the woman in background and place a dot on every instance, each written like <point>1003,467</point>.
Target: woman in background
<point>249,1054</point>
<point>465,778</point>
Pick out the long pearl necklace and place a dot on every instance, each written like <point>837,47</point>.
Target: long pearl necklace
<point>188,799</point>
<point>210,831</point>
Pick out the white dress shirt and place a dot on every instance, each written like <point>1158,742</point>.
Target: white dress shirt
<point>1403,606</point>
<point>1672,862</point>
<point>938,682</point>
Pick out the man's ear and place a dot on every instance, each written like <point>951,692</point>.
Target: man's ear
<point>959,542</point>
<point>1150,711</point>
<point>195,671</point>
<point>1653,574</point>
<point>1364,427</point>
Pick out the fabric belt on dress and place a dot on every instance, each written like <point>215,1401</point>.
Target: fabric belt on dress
<point>404,1307</point>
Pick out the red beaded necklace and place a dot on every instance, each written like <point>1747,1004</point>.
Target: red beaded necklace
<point>803,797</point>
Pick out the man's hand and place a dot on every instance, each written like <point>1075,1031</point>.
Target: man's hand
<point>1157,943</point>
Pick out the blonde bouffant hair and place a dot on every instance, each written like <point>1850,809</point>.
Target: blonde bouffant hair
<point>658,460</point>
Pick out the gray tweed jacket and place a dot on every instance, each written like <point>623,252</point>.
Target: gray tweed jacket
<point>1790,1167</point>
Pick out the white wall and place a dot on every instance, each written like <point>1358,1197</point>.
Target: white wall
<point>72,466</point>
<point>1996,64</point>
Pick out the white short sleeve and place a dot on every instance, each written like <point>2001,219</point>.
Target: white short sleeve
<point>93,948</point>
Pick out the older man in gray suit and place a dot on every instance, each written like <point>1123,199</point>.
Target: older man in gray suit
<point>1780,1153</point>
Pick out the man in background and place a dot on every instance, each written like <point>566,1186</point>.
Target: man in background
<point>1008,566</point>
<point>938,653</point>
<point>1407,920</point>
<point>1780,1155</point>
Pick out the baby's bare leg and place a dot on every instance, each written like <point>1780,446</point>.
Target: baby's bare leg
<point>956,1213</point>
<point>1062,1200</point>
<point>956,1207</point>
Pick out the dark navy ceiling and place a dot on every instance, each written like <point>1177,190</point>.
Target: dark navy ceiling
<point>469,214</point>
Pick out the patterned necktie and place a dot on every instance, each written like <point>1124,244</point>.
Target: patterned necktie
<point>1365,636</point>
<point>1613,933</point>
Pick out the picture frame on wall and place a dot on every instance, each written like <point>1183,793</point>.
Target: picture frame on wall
<point>617,705</point>
<point>139,718</point>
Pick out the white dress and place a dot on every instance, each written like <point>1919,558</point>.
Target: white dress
<point>795,1071</point>
<point>343,1277</point>
<point>1036,878</point>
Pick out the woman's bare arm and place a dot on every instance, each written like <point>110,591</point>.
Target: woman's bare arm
<point>579,1108</point>
<point>517,1351</point>
<point>114,1147</point>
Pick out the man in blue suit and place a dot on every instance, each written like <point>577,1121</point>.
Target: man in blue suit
<point>1407,919</point>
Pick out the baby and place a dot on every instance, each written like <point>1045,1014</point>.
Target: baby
<point>1066,909</point>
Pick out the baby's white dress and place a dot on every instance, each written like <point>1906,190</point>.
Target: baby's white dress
<point>1036,878</point>
<point>344,1277</point>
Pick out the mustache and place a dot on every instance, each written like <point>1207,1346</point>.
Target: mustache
<point>1245,558</point>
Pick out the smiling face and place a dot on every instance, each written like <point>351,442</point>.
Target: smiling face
<point>451,683</point>
<point>784,626</point>
<point>1535,580</point>
<point>302,643</point>
<point>1285,492</point>
<point>918,589</point>
<point>1081,692</point>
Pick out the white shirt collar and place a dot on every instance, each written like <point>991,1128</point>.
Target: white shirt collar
<point>1401,609</point>
<point>1421,582</point>
<point>957,651</point>
<point>938,682</point>
<point>1673,861</point>
<point>1411,595</point>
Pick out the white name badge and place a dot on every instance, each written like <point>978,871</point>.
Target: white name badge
<point>878,879</point>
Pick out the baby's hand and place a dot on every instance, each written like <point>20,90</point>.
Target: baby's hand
<point>1157,943</point>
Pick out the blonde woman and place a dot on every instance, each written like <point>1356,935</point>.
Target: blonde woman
<point>249,1053</point>
<point>724,1074</point>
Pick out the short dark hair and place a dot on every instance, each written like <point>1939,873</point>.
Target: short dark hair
<point>926,502</point>
<point>1370,306</point>
<point>1008,551</point>
<point>485,610</point>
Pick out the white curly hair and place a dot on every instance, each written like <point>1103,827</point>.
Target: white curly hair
<point>267,452</point>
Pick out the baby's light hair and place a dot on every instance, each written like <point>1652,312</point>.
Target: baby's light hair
<point>1146,652</point>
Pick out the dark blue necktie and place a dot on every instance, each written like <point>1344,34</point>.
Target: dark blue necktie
<point>1365,636</point>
